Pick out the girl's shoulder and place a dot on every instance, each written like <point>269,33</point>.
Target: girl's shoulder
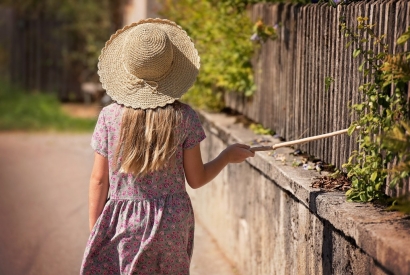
<point>111,112</point>
<point>187,110</point>
<point>111,107</point>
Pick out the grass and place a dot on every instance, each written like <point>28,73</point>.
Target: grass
<point>35,111</point>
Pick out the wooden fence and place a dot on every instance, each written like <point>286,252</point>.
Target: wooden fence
<point>34,54</point>
<point>290,72</point>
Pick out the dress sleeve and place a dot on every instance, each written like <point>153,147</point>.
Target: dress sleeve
<point>194,131</point>
<point>99,139</point>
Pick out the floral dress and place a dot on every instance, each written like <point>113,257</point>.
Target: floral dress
<point>147,225</point>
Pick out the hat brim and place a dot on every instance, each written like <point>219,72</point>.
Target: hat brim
<point>181,76</point>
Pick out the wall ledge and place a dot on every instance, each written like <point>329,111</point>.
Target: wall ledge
<point>383,235</point>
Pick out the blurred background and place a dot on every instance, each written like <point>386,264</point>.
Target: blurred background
<point>48,55</point>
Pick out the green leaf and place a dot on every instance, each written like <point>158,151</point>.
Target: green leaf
<point>373,177</point>
<point>351,129</point>
<point>332,3</point>
<point>358,107</point>
<point>361,66</point>
<point>404,37</point>
<point>348,192</point>
<point>355,182</point>
<point>363,197</point>
<point>248,93</point>
<point>356,52</point>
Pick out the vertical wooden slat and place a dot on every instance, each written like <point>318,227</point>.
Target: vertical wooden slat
<point>317,111</point>
<point>337,85</point>
<point>282,88</point>
<point>406,7</point>
<point>291,72</point>
<point>320,118</point>
<point>311,90</point>
<point>259,98</point>
<point>334,69</point>
<point>325,63</point>
<point>308,82</point>
<point>348,70</point>
<point>299,77</point>
<point>306,71</point>
<point>270,15</point>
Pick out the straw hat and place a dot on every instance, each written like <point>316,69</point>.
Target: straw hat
<point>148,64</point>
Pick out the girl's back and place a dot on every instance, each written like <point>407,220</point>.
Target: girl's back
<point>148,219</point>
<point>167,181</point>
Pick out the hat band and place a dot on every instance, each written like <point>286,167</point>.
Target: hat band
<point>134,83</point>
<point>141,83</point>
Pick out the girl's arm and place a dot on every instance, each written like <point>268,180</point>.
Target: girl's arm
<point>199,174</point>
<point>98,191</point>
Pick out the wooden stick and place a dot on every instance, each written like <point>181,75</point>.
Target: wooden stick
<point>299,141</point>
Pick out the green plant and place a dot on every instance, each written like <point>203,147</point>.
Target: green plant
<point>401,204</point>
<point>221,34</point>
<point>383,107</point>
<point>260,130</point>
<point>328,81</point>
<point>398,140</point>
<point>36,111</point>
<point>262,32</point>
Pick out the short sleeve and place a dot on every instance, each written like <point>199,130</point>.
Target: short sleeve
<point>99,139</point>
<point>194,131</point>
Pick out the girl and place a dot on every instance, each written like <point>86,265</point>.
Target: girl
<point>147,144</point>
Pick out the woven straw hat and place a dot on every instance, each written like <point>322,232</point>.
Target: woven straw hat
<point>148,64</point>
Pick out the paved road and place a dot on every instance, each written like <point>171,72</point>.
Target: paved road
<point>43,207</point>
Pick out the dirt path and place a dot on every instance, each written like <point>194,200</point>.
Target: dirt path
<point>43,207</point>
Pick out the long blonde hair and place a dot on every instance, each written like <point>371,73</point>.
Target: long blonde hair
<point>148,139</point>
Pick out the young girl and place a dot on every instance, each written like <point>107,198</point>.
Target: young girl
<point>147,144</point>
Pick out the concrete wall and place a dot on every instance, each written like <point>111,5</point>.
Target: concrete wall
<point>267,219</point>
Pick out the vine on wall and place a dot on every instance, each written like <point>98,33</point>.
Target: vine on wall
<point>221,35</point>
<point>383,109</point>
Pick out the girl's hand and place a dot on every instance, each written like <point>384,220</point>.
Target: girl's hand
<point>199,174</point>
<point>237,153</point>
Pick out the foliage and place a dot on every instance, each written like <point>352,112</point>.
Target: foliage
<point>328,81</point>
<point>401,204</point>
<point>83,26</point>
<point>243,4</point>
<point>221,34</point>
<point>262,32</point>
<point>383,109</point>
<point>35,111</point>
<point>398,140</point>
<point>260,130</point>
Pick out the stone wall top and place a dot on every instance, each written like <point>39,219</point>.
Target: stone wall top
<point>383,235</point>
